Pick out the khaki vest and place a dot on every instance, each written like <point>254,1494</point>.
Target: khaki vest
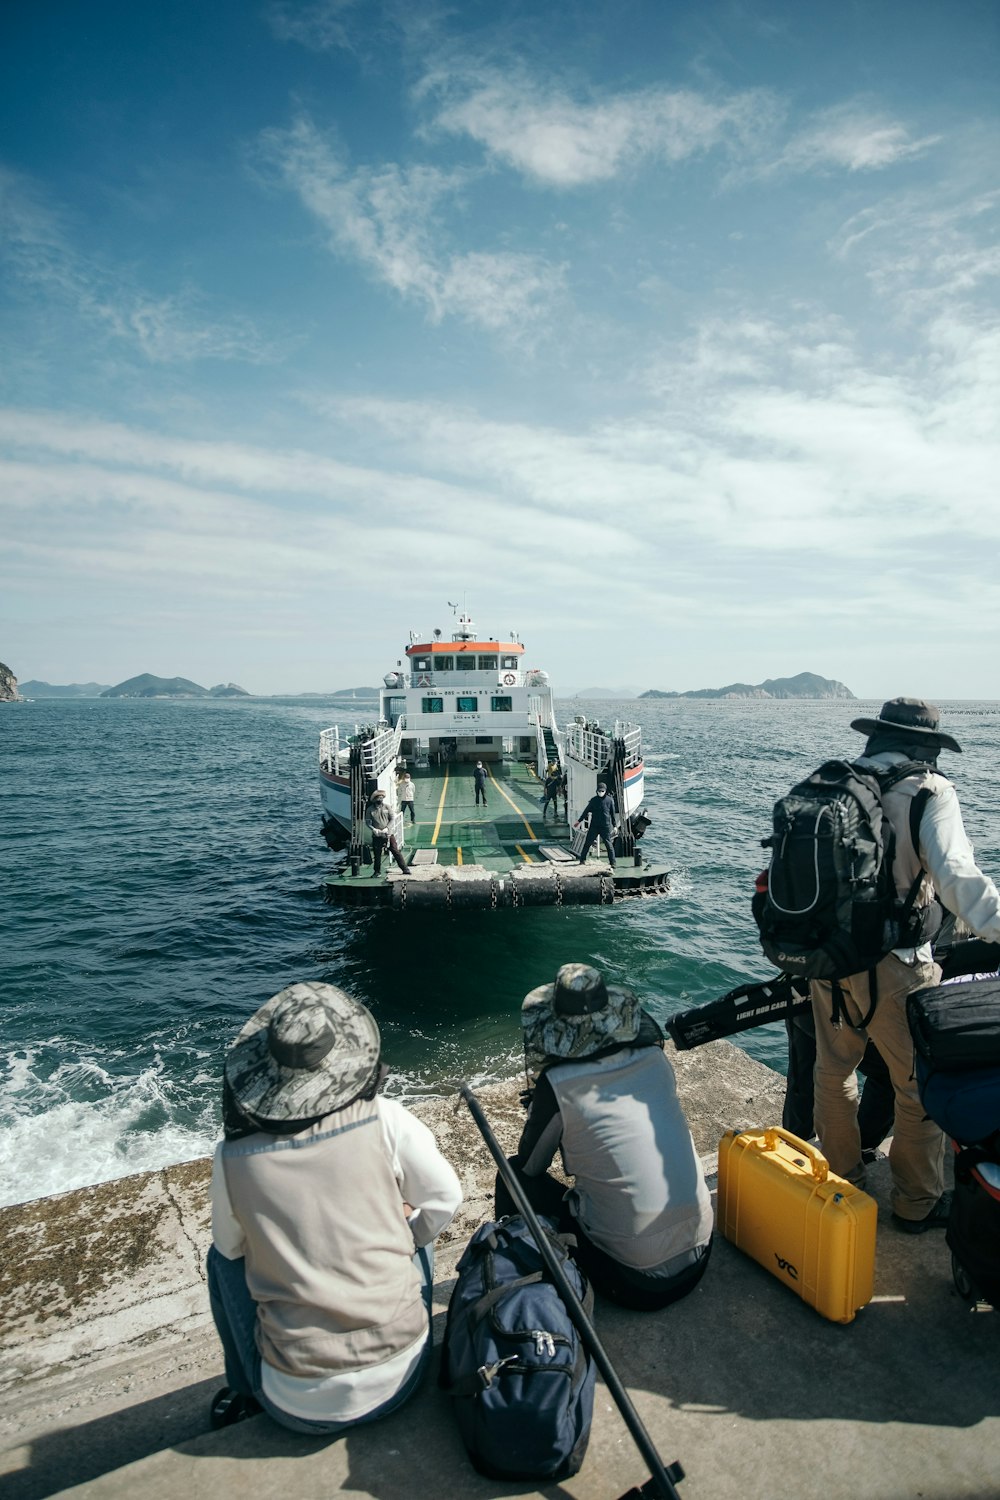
<point>329,1253</point>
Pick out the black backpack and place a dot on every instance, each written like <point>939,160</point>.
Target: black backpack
<point>521,1378</point>
<point>827,906</point>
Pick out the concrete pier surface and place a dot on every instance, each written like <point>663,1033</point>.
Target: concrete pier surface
<point>109,1359</point>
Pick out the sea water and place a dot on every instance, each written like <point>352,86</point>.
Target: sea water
<point>161,875</point>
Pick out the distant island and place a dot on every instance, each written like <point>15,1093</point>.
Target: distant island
<point>148,686</point>
<point>805,685</point>
<point>33,689</point>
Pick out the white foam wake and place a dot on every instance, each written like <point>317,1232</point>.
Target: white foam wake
<point>52,1140</point>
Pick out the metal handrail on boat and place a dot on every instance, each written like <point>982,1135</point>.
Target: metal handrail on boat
<point>593,746</point>
<point>379,746</point>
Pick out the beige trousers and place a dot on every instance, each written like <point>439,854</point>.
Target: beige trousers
<point>916,1156</point>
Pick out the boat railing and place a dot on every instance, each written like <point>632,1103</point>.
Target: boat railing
<point>593,745</point>
<point>329,748</point>
<point>378,743</point>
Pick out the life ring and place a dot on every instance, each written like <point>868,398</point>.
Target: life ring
<point>509,679</point>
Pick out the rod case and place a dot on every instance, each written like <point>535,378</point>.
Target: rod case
<point>779,1202</point>
<point>747,1006</point>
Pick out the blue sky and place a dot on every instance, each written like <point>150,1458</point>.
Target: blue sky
<point>664,333</point>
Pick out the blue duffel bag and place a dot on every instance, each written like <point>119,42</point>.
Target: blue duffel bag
<point>965,1104</point>
<point>521,1380</point>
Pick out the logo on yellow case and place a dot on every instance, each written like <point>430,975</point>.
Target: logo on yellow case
<point>786,1265</point>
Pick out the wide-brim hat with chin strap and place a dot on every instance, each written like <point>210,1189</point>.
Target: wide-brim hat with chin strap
<point>908,716</point>
<point>309,1051</point>
<point>577,1016</point>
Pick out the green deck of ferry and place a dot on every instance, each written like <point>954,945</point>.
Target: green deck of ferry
<point>510,831</point>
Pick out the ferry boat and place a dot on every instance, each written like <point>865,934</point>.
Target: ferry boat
<point>448,705</point>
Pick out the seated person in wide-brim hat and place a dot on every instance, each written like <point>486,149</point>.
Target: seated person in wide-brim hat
<point>606,1097</point>
<point>326,1198</point>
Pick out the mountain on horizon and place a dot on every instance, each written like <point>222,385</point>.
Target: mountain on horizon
<point>602,692</point>
<point>804,685</point>
<point>146,685</point>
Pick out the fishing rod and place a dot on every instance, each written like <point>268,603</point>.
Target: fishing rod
<point>665,1477</point>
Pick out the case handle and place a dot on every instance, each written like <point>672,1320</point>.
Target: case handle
<point>818,1162</point>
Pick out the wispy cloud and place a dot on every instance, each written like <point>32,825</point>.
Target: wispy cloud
<point>537,127</point>
<point>323,26</point>
<point>552,138</point>
<point>36,246</point>
<point>851,137</point>
<point>389,220</point>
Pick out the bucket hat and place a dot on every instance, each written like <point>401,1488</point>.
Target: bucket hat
<point>913,716</point>
<point>577,1016</point>
<point>310,1050</point>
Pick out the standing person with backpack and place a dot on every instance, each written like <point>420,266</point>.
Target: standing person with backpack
<point>606,1098</point>
<point>859,923</point>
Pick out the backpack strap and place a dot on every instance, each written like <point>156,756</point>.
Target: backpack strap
<point>873,998</point>
<point>918,806</point>
<point>838,1012</point>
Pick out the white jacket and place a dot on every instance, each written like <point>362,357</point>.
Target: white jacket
<point>944,848</point>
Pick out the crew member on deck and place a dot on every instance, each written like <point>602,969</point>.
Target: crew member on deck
<point>378,816</point>
<point>600,815</point>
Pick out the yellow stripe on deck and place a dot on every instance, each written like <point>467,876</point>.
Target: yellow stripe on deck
<point>437,825</point>
<point>531,831</point>
<point>458,852</point>
<point>526,857</point>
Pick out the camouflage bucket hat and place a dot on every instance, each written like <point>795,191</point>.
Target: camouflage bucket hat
<point>577,1016</point>
<point>310,1050</point>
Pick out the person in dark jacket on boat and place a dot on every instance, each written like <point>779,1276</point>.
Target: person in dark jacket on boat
<point>378,816</point>
<point>553,786</point>
<point>479,777</point>
<point>600,815</point>
<point>605,1097</point>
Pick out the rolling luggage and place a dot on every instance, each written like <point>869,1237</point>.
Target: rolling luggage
<point>779,1202</point>
<point>973,1233</point>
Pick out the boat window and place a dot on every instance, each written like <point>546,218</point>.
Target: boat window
<point>500,705</point>
<point>484,739</point>
<point>466,663</point>
<point>420,663</point>
<point>487,664</point>
<point>444,664</point>
<point>467,705</point>
<point>432,705</point>
<point>509,663</point>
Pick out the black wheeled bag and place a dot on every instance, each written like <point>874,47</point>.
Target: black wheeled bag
<point>521,1380</point>
<point>973,1233</point>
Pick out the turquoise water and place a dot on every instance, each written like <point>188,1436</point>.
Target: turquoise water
<point>161,869</point>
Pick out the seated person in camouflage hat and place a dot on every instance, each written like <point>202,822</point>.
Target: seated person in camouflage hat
<point>325,1200</point>
<point>605,1095</point>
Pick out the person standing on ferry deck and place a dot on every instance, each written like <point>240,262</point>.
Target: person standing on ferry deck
<point>407,794</point>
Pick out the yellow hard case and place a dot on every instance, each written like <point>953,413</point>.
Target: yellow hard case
<point>780,1203</point>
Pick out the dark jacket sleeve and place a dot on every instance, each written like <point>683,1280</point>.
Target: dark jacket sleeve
<point>542,1131</point>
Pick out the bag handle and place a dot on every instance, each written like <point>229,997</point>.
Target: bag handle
<point>774,1133</point>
